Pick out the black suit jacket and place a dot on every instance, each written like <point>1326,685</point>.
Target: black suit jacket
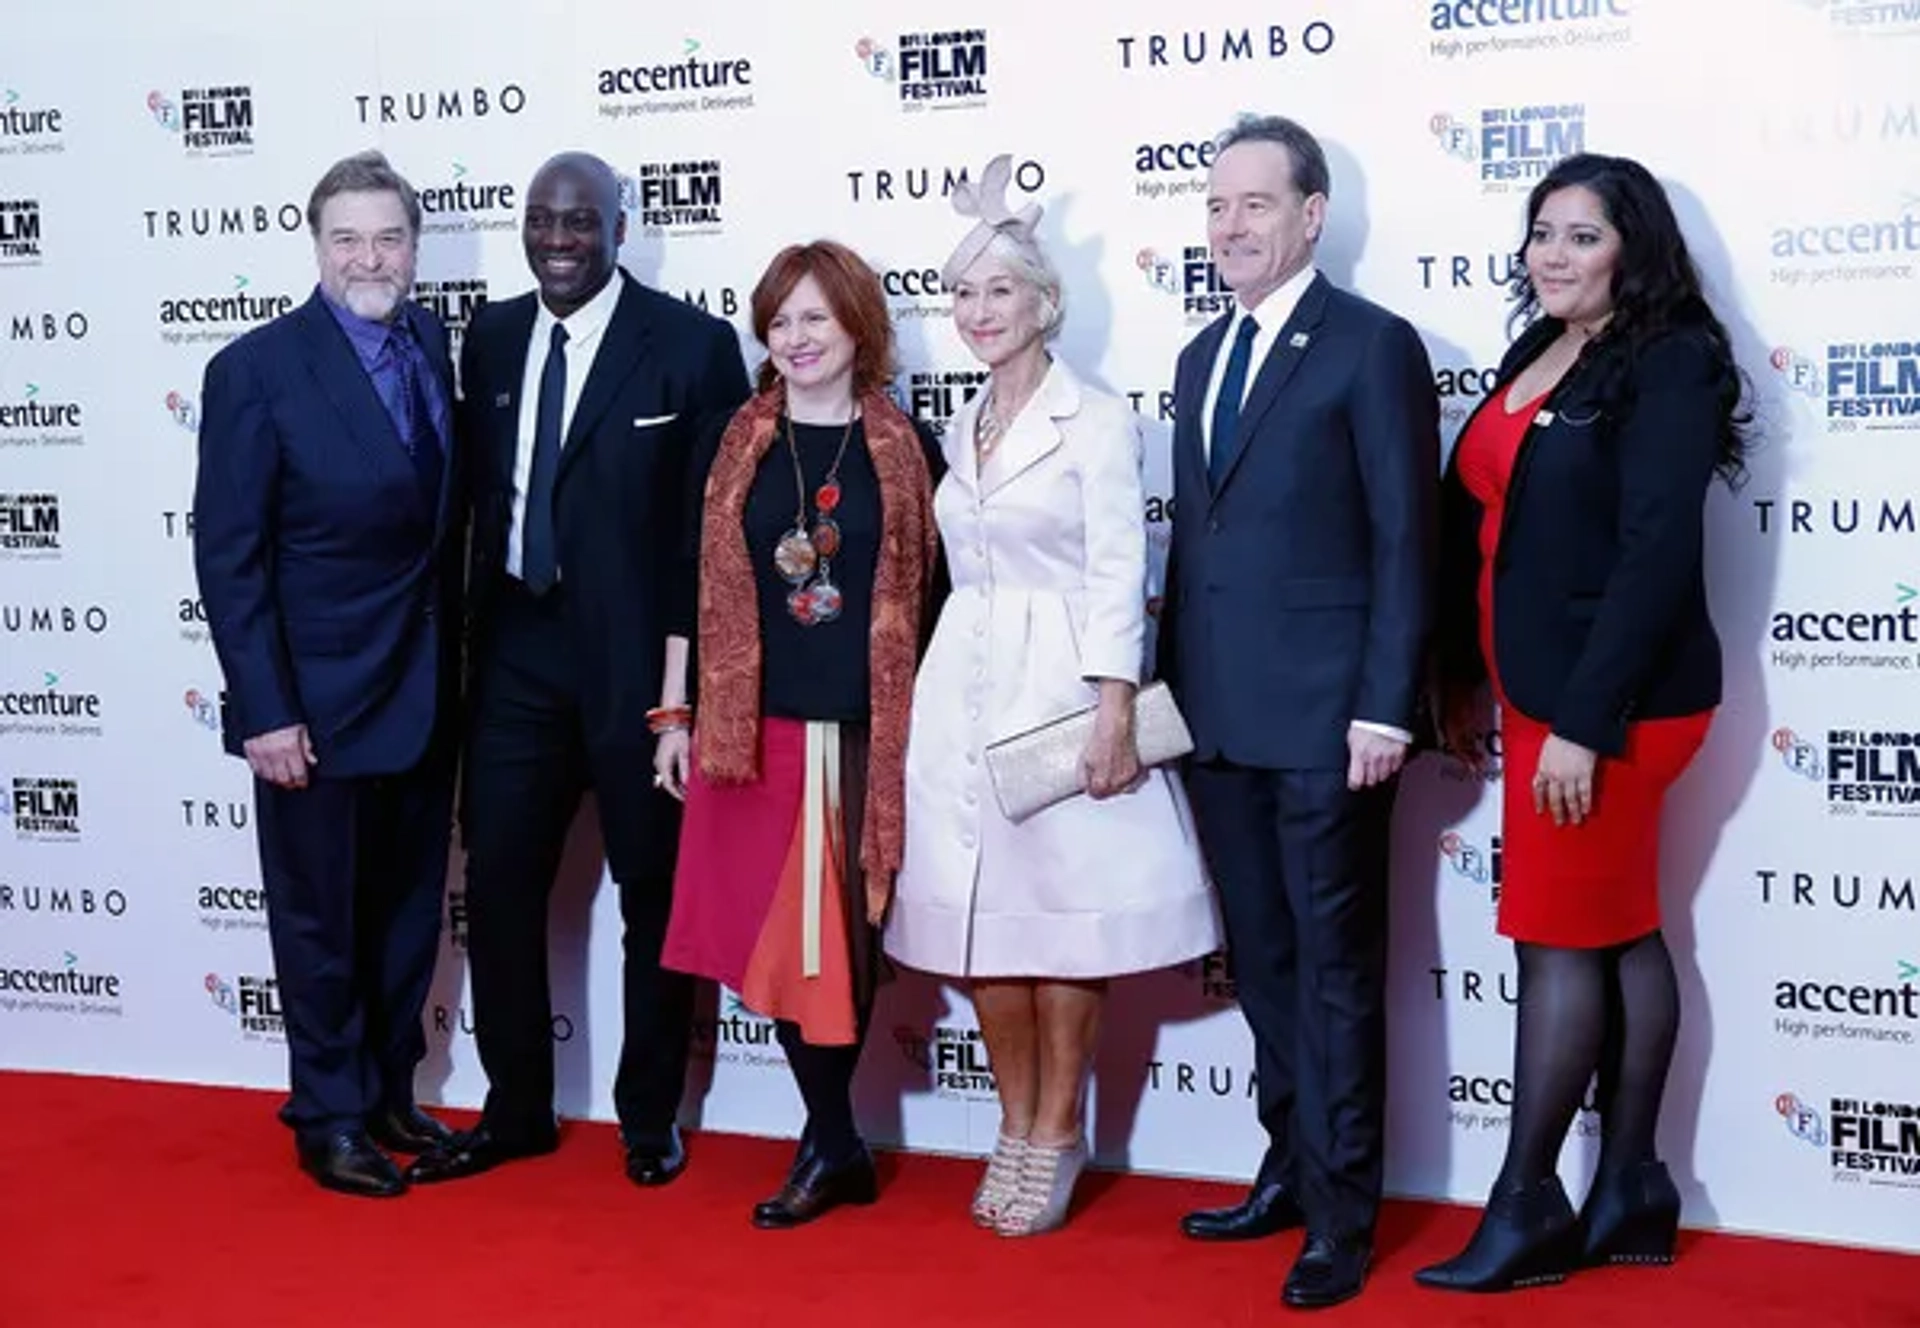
<point>663,368</point>
<point>1599,599</point>
<point>331,582</point>
<point>1298,594</point>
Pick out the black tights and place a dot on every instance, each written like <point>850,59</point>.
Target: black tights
<point>1611,1012</point>
<point>825,1077</point>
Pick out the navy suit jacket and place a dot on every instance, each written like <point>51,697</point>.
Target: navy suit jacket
<point>330,580</point>
<point>663,369</point>
<point>1299,593</point>
<point>1600,599</point>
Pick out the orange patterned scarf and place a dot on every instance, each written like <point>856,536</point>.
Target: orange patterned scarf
<point>728,718</point>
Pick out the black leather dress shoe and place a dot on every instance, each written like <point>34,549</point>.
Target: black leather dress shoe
<point>1632,1215</point>
<point>348,1162</point>
<point>815,1187</point>
<point>408,1131</point>
<point>1528,1236</point>
<point>657,1163</point>
<point>1268,1209</point>
<point>471,1152</point>
<point>1327,1272</point>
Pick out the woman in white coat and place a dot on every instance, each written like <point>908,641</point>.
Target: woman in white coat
<point>1042,517</point>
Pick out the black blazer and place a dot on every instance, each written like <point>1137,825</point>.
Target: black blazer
<point>1299,594</point>
<point>620,511</point>
<point>1600,603</point>
<point>330,579</point>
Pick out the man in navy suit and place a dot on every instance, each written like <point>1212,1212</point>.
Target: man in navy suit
<point>329,565</point>
<point>580,401</point>
<point>1306,469</point>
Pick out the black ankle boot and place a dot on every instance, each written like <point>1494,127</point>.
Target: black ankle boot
<point>1527,1237</point>
<point>1632,1215</point>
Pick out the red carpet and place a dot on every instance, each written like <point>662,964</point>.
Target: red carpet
<point>128,1203</point>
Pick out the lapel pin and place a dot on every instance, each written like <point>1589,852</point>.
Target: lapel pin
<point>503,399</point>
<point>1543,419</point>
<point>1297,340</point>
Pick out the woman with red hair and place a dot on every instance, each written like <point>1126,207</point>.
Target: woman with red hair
<point>815,561</point>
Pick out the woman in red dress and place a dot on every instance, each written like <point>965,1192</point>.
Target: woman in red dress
<point>1572,582</point>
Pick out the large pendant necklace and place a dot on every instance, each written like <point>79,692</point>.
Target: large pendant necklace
<point>804,555</point>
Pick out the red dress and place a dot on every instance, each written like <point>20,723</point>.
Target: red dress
<point>1574,886</point>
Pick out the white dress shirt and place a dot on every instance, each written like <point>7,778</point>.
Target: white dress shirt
<point>1272,314</point>
<point>585,328</point>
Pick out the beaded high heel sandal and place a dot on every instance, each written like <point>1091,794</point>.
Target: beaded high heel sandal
<point>997,1186</point>
<point>1044,1190</point>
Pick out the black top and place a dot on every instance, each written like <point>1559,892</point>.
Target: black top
<point>1600,605</point>
<point>821,671</point>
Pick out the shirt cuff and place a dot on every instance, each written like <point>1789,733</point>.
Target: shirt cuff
<point>1384,730</point>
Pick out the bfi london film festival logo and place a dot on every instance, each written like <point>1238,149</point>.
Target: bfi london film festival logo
<point>695,81</point>
<point>1866,1140</point>
<point>1471,29</point>
<point>217,317</point>
<point>1882,640</point>
<point>1861,772</point>
<point>66,987</point>
<point>454,301</point>
<point>1857,386</point>
<point>1863,246</point>
<point>1512,147</point>
<point>51,710</point>
<point>27,129</point>
<point>1473,863</point>
<point>1209,48</point>
<point>955,1060</point>
<point>45,809</point>
<point>463,206</point>
<point>203,708</point>
<point>931,71</point>
<point>211,121</point>
<point>20,232</point>
<point>932,396</point>
<point>252,1001</point>
<point>1867,18</point>
<point>184,411</point>
<point>1189,275</point>
<point>30,527</point>
<point>735,1035</point>
<point>34,416</point>
<point>682,198</point>
<point>1858,1014</point>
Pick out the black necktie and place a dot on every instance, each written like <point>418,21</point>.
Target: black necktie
<point>539,564</point>
<point>1226,407</point>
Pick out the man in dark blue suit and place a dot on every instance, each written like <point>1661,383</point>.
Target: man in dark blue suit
<point>1306,468</point>
<point>330,568</point>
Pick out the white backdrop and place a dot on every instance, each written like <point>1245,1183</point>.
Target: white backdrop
<point>153,168</point>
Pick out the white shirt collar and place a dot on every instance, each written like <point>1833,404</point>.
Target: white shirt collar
<point>1273,312</point>
<point>585,324</point>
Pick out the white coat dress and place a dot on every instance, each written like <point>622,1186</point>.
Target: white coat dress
<point>1047,547</point>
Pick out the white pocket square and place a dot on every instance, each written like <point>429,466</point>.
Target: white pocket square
<point>648,421</point>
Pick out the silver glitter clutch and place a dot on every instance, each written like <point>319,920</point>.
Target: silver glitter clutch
<point>1035,769</point>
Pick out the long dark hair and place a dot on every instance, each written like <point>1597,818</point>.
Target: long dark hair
<point>1656,289</point>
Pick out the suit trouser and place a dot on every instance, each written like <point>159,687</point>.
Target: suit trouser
<point>528,765</point>
<point>354,871</point>
<point>1301,865</point>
